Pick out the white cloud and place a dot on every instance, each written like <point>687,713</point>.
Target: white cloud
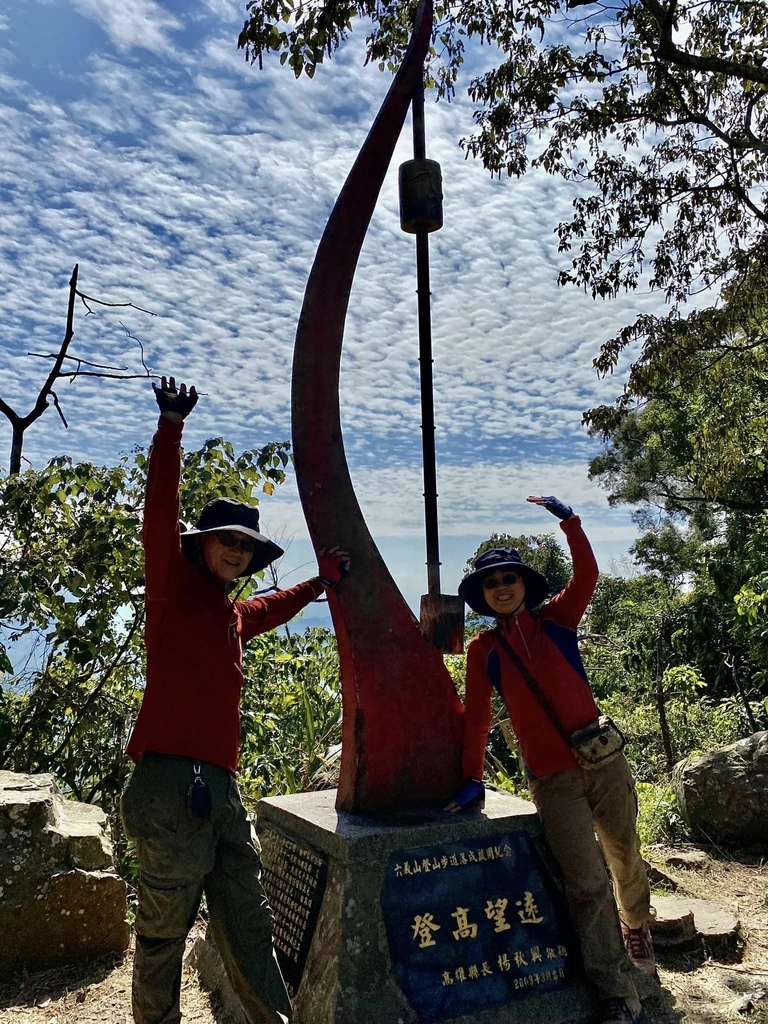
<point>198,187</point>
<point>132,23</point>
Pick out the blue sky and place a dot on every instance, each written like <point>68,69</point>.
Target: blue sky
<point>138,143</point>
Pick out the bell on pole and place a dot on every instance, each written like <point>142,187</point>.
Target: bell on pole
<point>421,212</point>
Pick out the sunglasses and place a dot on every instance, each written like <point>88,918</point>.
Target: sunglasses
<point>229,540</point>
<point>507,580</point>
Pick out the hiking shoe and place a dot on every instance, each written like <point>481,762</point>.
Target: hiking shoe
<point>639,946</point>
<point>620,1011</point>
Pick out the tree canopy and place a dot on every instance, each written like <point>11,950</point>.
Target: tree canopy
<point>660,109</point>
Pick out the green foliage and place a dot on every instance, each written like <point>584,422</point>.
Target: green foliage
<point>658,106</point>
<point>290,712</point>
<point>659,818</point>
<point>697,725</point>
<point>541,551</point>
<point>693,459</point>
<point>699,443</point>
<point>751,599</point>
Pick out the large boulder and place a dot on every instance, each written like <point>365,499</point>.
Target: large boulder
<point>61,901</point>
<point>724,795</point>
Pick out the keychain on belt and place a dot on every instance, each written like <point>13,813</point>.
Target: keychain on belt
<point>199,795</point>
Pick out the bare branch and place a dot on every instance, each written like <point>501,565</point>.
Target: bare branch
<point>112,376</point>
<point>85,299</point>
<point>6,410</point>
<point>20,423</point>
<point>139,343</point>
<point>55,398</point>
<point>78,360</point>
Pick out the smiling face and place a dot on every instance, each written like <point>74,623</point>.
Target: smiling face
<point>504,591</point>
<point>227,553</point>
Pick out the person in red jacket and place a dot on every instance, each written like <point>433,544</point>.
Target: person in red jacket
<point>182,805</point>
<point>573,802</point>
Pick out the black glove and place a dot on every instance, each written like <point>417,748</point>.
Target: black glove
<point>171,399</point>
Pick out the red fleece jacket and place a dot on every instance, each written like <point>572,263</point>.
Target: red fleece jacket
<point>194,632</point>
<point>546,644</point>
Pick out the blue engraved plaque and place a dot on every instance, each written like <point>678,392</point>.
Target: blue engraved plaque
<point>475,923</point>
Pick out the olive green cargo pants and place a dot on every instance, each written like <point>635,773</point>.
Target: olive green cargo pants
<point>573,806</point>
<point>180,858</point>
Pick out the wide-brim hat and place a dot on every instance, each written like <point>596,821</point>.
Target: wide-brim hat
<point>471,587</point>
<point>228,514</point>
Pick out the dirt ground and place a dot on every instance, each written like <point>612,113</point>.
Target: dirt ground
<point>703,986</point>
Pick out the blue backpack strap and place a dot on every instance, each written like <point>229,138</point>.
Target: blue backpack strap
<point>567,642</point>
<point>493,668</point>
<point>493,665</point>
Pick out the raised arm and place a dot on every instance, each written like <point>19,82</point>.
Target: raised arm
<point>161,534</point>
<point>263,613</point>
<point>569,605</point>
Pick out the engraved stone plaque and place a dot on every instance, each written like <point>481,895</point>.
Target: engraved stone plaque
<point>294,879</point>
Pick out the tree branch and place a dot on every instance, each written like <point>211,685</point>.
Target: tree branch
<point>19,423</point>
<point>668,50</point>
<point>85,299</point>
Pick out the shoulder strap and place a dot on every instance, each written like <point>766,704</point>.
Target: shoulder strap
<point>532,685</point>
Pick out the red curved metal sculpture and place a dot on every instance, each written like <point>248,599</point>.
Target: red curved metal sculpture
<point>401,743</point>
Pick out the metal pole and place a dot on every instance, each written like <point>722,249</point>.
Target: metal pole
<point>425,363</point>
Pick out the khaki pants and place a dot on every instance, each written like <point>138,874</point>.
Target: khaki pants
<point>181,857</point>
<point>573,806</point>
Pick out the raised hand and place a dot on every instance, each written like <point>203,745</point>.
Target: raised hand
<point>552,504</point>
<point>332,565</point>
<point>174,403</point>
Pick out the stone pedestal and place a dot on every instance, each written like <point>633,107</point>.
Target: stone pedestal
<point>418,915</point>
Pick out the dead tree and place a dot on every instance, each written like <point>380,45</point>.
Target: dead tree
<point>46,395</point>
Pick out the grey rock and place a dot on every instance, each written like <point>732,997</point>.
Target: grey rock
<point>724,794</point>
<point>61,901</point>
<point>747,1003</point>
<point>692,860</point>
<point>660,879</point>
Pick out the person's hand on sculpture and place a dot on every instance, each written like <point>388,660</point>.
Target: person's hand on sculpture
<point>471,794</point>
<point>332,565</point>
<point>551,504</point>
<point>174,403</point>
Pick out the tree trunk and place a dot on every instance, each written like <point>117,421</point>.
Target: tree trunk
<point>661,701</point>
<point>733,665</point>
<point>666,736</point>
<point>17,440</point>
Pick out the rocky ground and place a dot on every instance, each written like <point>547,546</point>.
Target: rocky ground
<point>701,986</point>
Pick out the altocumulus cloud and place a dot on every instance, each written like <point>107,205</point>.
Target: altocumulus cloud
<point>143,147</point>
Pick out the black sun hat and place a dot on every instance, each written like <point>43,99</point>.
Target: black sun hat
<point>228,514</point>
<point>471,587</point>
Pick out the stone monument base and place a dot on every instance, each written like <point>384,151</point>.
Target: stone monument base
<point>419,915</point>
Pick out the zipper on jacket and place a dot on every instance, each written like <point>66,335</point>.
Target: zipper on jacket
<point>522,637</point>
